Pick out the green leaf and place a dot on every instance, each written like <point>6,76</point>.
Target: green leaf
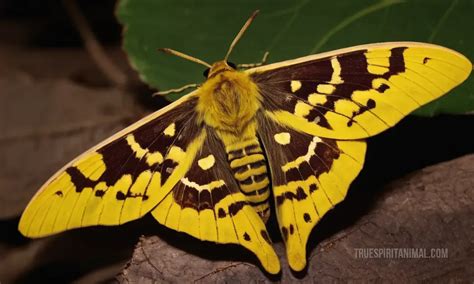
<point>288,29</point>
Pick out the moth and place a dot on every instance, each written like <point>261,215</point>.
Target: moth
<point>210,163</point>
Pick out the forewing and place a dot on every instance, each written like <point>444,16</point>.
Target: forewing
<point>360,91</point>
<point>119,180</point>
<point>310,175</point>
<point>206,203</point>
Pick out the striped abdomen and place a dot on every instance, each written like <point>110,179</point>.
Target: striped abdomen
<point>248,164</point>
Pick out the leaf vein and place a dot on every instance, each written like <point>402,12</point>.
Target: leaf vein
<point>349,20</point>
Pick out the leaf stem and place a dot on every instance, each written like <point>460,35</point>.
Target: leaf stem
<point>93,47</point>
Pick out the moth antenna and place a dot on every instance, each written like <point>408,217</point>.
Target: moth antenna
<point>241,32</point>
<point>185,56</point>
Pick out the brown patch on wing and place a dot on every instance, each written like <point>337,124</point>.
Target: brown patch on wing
<point>320,152</point>
<point>199,196</point>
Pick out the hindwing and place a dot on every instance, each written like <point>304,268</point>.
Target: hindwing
<point>207,204</point>
<point>310,175</point>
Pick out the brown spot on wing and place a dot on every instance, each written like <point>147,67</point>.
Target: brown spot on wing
<point>120,195</point>
<point>382,88</point>
<point>79,180</point>
<point>246,237</point>
<point>307,218</point>
<point>312,188</point>
<point>300,195</point>
<point>221,213</point>
<point>234,208</point>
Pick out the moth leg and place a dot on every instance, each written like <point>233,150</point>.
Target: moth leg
<point>177,90</point>
<point>252,65</point>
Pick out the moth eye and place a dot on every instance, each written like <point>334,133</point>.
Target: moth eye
<point>232,65</point>
<point>206,72</point>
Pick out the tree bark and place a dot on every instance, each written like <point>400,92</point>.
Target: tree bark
<point>427,215</point>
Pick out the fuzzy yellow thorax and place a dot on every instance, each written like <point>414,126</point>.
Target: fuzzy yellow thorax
<point>228,99</point>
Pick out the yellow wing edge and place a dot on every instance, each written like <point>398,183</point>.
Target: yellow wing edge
<point>359,47</point>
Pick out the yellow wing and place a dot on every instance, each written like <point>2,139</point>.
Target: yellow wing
<point>310,175</point>
<point>122,178</point>
<point>317,108</point>
<point>208,204</point>
<point>357,92</point>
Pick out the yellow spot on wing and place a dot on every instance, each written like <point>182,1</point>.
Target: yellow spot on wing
<point>282,138</point>
<point>207,162</point>
<point>317,99</point>
<point>336,74</point>
<point>302,109</point>
<point>201,187</point>
<point>325,89</point>
<point>154,158</point>
<point>170,130</point>
<point>295,86</point>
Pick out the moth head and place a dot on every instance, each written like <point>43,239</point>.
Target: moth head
<point>219,66</point>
